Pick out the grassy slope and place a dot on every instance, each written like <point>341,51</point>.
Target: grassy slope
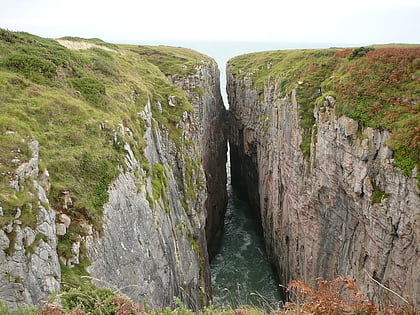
<point>379,88</point>
<point>73,103</point>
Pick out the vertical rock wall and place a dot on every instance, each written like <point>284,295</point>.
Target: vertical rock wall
<point>154,246</point>
<point>319,214</point>
<point>210,111</point>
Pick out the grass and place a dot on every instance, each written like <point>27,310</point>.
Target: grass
<point>79,104</point>
<point>338,296</point>
<point>377,86</point>
<point>30,249</point>
<point>160,186</point>
<point>72,103</point>
<point>170,60</point>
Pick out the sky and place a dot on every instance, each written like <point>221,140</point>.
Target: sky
<point>314,21</point>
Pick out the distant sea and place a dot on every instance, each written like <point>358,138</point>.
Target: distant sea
<point>222,51</point>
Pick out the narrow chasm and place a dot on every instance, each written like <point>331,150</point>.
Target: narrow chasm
<point>241,273</point>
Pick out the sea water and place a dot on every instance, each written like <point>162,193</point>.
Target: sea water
<point>241,273</point>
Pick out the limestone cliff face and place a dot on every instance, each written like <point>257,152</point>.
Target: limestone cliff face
<point>212,141</point>
<point>319,213</point>
<point>112,162</point>
<point>154,245</point>
<point>29,267</point>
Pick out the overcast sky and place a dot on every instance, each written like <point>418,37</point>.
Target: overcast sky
<point>332,21</point>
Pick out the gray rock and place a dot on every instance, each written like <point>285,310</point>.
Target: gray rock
<point>211,138</point>
<point>317,213</point>
<point>29,272</point>
<point>155,250</point>
<point>152,248</point>
<point>65,219</point>
<point>61,229</point>
<point>172,101</point>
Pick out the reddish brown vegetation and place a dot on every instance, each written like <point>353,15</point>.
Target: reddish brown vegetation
<point>123,306</point>
<point>339,296</point>
<point>380,90</point>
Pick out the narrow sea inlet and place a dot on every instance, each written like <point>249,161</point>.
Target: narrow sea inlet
<point>241,273</point>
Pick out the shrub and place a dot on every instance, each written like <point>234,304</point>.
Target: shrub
<point>338,296</point>
<point>21,310</point>
<point>34,68</point>
<point>4,309</point>
<point>360,52</point>
<point>89,299</point>
<point>7,36</point>
<point>160,185</point>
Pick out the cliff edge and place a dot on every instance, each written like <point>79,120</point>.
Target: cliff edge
<point>324,143</point>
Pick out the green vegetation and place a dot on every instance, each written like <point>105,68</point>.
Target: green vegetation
<point>79,104</point>
<point>339,296</point>
<point>360,52</point>
<point>378,86</point>
<point>171,61</point>
<point>34,68</point>
<point>12,243</point>
<point>72,103</point>
<point>21,310</point>
<point>194,244</point>
<point>160,185</point>
<point>91,89</point>
<point>378,194</point>
<point>192,181</point>
<point>30,249</point>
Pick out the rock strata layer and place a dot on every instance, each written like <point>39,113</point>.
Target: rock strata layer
<point>319,214</point>
<point>155,250</point>
<point>212,141</point>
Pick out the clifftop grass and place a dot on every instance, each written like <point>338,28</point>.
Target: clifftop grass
<point>338,296</point>
<point>378,86</point>
<point>78,104</point>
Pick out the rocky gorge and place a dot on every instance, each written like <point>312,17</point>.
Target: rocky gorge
<point>112,163</point>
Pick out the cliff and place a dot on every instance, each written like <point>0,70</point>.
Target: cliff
<point>108,157</point>
<point>324,143</point>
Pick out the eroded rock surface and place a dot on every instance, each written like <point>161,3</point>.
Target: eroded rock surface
<point>154,247</point>
<point>29,267</point>
<point>136,147</point>
<point>344,210</point>
<point>210,111</point>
